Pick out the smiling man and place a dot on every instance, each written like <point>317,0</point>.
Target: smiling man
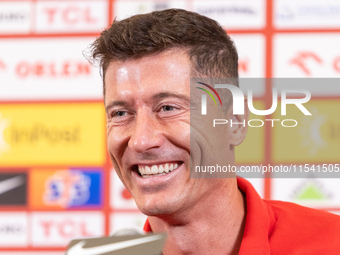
<point>153,141</point>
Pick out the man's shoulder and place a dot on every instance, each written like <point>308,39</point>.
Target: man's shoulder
<point>287,209</point>
<point>297,228</point>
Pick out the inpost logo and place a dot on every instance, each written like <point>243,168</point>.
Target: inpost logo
<point>52,133</point>
<point>239,105</point>
<point>4,123</point>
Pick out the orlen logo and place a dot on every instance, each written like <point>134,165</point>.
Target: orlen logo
<point>52,69</point>
<point>238,104</point>
<point>308,61</point>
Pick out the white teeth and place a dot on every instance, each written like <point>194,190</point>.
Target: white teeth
<point>161,169</point>
<point>147,170</point>
<point>156,169</point>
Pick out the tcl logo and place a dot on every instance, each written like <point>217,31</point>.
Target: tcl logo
<point>52,69</point>
<point>303,61</point>
<point>65,228</point>
<point>70,15</point>
<point>58,228</point>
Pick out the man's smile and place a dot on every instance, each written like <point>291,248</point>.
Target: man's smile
<point>146,171</point>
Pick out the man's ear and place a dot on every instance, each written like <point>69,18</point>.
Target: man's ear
<point>240,126</point>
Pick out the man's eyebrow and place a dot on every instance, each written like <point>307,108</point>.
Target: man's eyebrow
<point>163,95</point>
<point>158,96</point>
<point>115,103</point>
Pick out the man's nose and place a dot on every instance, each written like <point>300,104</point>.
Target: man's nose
<point>146,134</point>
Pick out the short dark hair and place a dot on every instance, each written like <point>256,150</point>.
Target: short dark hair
<point>211,51</point>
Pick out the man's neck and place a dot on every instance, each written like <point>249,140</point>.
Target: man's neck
<point>215,226</point>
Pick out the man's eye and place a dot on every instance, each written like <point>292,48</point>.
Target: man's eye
<point>118,114</point>
<point>168,108</point>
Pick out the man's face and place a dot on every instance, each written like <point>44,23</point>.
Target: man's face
<point>148,130</point>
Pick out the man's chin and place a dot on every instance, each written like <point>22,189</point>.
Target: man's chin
<point>156,209</point>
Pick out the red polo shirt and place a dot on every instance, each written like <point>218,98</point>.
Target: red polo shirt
<point>276,227</point>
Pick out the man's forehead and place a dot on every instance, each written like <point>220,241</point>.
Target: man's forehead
<point>164,71</point>
<point>172,59</point>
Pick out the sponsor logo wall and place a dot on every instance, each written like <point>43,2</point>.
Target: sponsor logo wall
<point>56,179</point>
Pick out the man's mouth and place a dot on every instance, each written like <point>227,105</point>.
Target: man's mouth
<point>158,169</point>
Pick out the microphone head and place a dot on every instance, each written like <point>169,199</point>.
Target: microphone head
<point>127,232</point>
<point>125,243</point>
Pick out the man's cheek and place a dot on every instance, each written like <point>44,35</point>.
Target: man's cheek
<point>114,143</point>
<point>183,135</point>
<point>112,150</point>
